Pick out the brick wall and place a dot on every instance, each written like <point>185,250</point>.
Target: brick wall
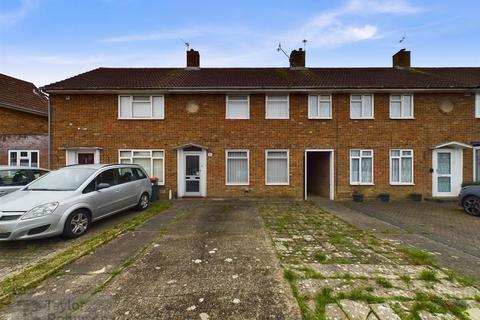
<point>91,121</point>
<point>23,131</point>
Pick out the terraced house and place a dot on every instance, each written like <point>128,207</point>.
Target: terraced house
<point>269,132</point>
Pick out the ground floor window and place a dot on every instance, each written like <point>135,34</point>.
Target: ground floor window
<point>361,166</point>
<point>401,166</point>
<point>477,163</point>
<point>237,167</point>
<point>276,167</point>
<point>23,158</point>
<point>153,161</point>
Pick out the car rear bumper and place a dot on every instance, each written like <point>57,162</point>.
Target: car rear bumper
<point>30,229</point>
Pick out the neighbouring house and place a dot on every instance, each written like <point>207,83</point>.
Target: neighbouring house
<point>270,132</point>
<point>24,124</point>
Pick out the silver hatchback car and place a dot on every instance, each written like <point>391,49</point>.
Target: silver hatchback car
<point>66,201</point>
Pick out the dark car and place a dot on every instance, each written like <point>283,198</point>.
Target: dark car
<point>469,199</point>
<point>13,178</point>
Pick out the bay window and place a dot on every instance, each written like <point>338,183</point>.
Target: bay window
<point>361,167</point>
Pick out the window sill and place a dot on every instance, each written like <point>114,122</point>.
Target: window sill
<point>237,118</point>
<point>320,118</point>
<point>362,184</point>
<point>402,118</point>
<point>401,184</point>
<point>140,118</point>
<point>277,118</point>
<point>362,118</point>
<point>277,184</point>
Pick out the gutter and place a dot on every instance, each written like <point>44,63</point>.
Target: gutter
<point>251,89</point>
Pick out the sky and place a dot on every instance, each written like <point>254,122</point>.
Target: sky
<point>44,41</point>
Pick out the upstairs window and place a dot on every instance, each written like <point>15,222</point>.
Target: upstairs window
<point>320,106</point>
<point>276,167</point>
<point>477,105</point>
<point>23,158</point>
<point>141,107</point>
<point>401,106</point>
<point>401,166</point>
<point>361,106</point>
<point>276,107</point>
<point>237,167</point>
<point>238,107</point>
<point>361,167</point>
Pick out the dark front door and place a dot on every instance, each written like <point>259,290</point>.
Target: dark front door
<point>192,174</point>
<point>85,158</point>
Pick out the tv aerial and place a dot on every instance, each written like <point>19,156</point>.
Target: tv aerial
<point>187,44</point>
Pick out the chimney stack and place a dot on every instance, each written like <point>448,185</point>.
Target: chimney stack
<point>193,59</point>
<point>401,59</point>
<point>297,59</point>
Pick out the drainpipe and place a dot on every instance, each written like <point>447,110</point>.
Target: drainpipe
<point>49,135</point>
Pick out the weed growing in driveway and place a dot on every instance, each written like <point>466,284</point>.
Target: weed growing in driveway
<point>38,272</point>
<point>428,275</point>
<point>419,257</point>
<point>381,281</point>
<point>320,257</point>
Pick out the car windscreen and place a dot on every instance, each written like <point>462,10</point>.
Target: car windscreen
<point>66,179</point>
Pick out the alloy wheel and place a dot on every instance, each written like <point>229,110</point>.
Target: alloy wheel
<point>79,223</point>
<point>472,206</point>
<point>144,201</point>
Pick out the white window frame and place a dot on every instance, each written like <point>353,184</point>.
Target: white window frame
<point>120,158</point>
<point>29,157</point>
<point>360,167</point>
<point>477,105</point>
<point>400,157</point>
<point>266,106</point>
<point>362,117</point>
<point>402,105</point>
<point>151,107</point>
<point>475,149</point>
<point>319,95</point>
<point>226,167</point>
<point>227,116</point>
<point>288,167</point>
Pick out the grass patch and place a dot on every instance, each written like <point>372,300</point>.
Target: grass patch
<point>428,275</point>
<point>360,295</point>
<point>38,272</point>
<point>405,278</point>
<point>419,257</point>
<point>381,281</point>
<point>320,257</point>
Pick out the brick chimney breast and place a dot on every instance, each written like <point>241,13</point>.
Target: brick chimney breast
<point>401,59</point>
<point>297,59</point>
<point>193,59</point>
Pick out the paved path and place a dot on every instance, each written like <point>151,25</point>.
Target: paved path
<point>441,228</point>
<point>215,263</point>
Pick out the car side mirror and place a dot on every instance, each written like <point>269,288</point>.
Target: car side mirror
<point>101,186</point>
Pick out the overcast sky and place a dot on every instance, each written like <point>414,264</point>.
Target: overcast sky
<point>49,40</point>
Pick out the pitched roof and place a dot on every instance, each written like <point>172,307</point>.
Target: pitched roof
<point>270,78</point>
<point>22,95</point>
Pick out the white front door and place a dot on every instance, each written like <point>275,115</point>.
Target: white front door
<point>192,173</point>
<point>447,172</point>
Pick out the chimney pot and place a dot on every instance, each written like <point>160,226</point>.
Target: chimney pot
<point>193,59</point>
<point>401,59</point>
<point>297,59</point>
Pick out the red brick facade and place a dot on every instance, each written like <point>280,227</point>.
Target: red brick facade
<point>91,121</point>
<point>23,131</point>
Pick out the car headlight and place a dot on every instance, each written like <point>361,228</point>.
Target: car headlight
<point>42,210</point>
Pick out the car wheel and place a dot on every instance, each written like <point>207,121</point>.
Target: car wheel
<point>471,205</point>
<point>77,224</point>
<point>143,202</point>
